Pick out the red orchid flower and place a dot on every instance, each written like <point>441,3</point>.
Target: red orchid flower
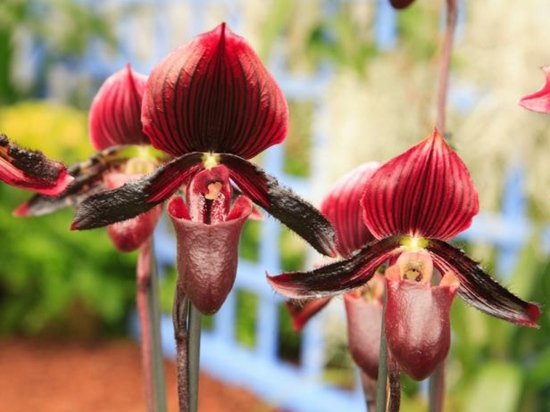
<point>116,132</point>
<point>413,205</point>
<point>31,170</point>
<point>212,105</point>
<point>540,100</point>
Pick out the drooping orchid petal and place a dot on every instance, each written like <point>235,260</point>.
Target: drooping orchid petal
<point>115,113</point>
<point>281,203</point>
<point>426,191</point>
<point>214,95</point>
<point>337,277</point>
<point>401,4</point>
<point>342,208</point>
<point>481,290</point>
<point>540,100</point>
<point>137,197</point>
<point>31,170</point>
<point>301,311</point>
<point>207,253</point>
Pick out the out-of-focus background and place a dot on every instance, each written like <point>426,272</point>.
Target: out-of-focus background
<point>361,83</point>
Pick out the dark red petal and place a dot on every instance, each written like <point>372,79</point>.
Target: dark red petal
<point>364,322</point>
<point>343,209</point>
<point>137,197</point>
<point>207,255</point>
<point>281,203</point>
<point>31,170</point>
<point>417,325</point>
<point>214,95</point>
<point>88,180</point>
<point>301,311</point>
<point>337,277</point>
<point>426,191</point>
<point>401,4</point>
<point>540,100</point>
<point>480,290</point>
<point>115,113</point>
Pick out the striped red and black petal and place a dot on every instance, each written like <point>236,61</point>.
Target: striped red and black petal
<point>337,277</point>
<point>31,170</point>
<point>479,289</point>
<point>301,311</point>
<point>136,197</point>
<point>282,203</point>
<point>115,113</point>
<point>540,100</point>
<point>343,209</point>
<point>214,95</point>
<point>401,4</point>
<point>426,191</point>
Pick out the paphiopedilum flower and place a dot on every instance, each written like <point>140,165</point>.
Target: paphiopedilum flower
<point>540,100</point>
<point>212,105</point>
<point>413,205</point>
<point>116,132</point>
<point>31,170</point>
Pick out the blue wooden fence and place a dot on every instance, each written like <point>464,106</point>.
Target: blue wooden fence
<point>293,387</point>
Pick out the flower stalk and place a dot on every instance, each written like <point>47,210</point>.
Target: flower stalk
<point>381,389</point>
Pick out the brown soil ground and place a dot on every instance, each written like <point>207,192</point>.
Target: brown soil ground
<point>43,376</point>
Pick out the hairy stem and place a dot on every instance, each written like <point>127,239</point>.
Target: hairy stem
<point>395,389</point>
<point>149,321</point>
<point>381,395</point>
<point>437,388</point>
<point>444,65</point>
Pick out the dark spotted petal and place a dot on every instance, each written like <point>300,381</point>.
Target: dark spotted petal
<point>343,209</point>
<point>337,277</point>
<point>31,170</point>
<point>115,113</point>
<point>214,95</point>
<point>88,180</point>
<point>401,4</point>
<point>426,191</point>
<point>540,100</point>
<point>136,197</point>
<point>480,290</point>
<point>282,203</point>
<point>301,311</point>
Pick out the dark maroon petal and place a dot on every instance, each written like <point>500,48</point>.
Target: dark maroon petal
<point>540,100</point>
<point>301,311</point>
<point>214,95</point>
<point>343,209</point>
<point>115,113</point>
<point>137,197</point>
<point>31,170</point>
<point>481,290</point>
<point>88,180</point>
<point>364,322</point>
<point>337,277</point>
<point>401,4</point>
<point>426,191</point>
<point>207,254</point>
<point>417,325</point>
<point>281,203</point>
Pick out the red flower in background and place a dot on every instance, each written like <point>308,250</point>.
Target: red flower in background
<point>540,100</point>
<point>412,205</point>
<point>31,170</point>
<point>212,105</point>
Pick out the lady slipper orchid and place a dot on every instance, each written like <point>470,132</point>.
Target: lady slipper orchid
<point>31,170</point>
<point>212,105</point>
<point>115,131</point>
<point>413,205</point>
<point>540,100</point>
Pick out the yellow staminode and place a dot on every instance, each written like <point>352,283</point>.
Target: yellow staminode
<point>414,243</point>
<point>210,160</point>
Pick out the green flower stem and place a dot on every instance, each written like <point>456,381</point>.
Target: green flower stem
<point>149,321</point>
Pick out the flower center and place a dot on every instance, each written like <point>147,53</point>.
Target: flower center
<point>415,266</point>
<point>210,160</point>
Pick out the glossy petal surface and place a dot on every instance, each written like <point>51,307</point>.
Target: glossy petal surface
<point>281,203</point>
<point>115,113</point>
<point>337,277</point>
<point>214,95</point>
<point>426,191</point>
<point>540,100</point>
<point>481,290</point>
<point>31,170</point>
<point>137,197</point>
<point>207,254</point>
<point>343,209</point>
